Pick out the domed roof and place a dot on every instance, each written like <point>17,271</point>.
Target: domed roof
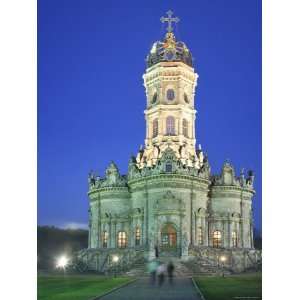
<point>169,50</point>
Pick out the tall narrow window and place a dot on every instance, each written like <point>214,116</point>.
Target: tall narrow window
<point>200,236</point>
<point>170,124</point>
<point>234,239</point>
<point>155,128</point>
<point>137,236</point>
<point>154,98</point>
<point>217,239</point>
<point>122,239</point>
<point>105,239</point>
<point>185,129</point>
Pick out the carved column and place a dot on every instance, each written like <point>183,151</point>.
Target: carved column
<point>110,235</point>
<point>205,231</point>
<point>229,233</point>
<point>203,228</point>
<point>90,246</point>
<point>195,220</point>
<point>224,229</point>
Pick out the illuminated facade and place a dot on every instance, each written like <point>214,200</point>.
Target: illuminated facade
<point>169,201</point>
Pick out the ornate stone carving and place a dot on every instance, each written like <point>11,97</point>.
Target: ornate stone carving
<point>169,202</point>
<point>113,177</point>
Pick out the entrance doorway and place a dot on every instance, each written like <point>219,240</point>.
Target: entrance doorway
<point>168,237</point>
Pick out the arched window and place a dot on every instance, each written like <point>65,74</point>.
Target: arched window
<point>170,124</point>
<point>169,167</point>
<point>234,239</point>
<point>155,127</point>
<point>170,94</point>
<point>122,239</point>
<point>217,239</point>
<point>200,236</point>
<point>105,239</point>
<point>137,236</point>
<point>185,129</point>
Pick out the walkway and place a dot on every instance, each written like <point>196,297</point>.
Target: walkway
<point>182,289</point>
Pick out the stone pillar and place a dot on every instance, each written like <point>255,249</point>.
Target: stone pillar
<point>178,130</point>
<point>205,232</point>
<point>193,230</point>
<point>100,235</point>
<point>229,233</point>
<point>193,127</point>
<point>241,237</point>
<point>131,233</point>
<point>196,228</point>
<point>90,245</point>
<point>110,234</point>
<point>113,234</point>
<point>224,230</point>
<point>251,236</point>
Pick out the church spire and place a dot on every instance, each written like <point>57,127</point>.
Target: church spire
<point>170,83</point>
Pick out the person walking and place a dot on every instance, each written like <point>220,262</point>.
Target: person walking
<point>170,269</point>
<point>161,274</point>
<point>156,251</point>
<point>152,267</point>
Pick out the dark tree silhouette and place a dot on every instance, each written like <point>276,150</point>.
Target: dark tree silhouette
<point>53,242</point>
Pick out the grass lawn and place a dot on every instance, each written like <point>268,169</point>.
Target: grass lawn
<point>75,287</point>
<point>226,288</point>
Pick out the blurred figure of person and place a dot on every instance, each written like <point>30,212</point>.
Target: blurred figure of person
<point>161,274</point>
<point>170,269</point>
<point>156,251</point>
<point>152,268</point>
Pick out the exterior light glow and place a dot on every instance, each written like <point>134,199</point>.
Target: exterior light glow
<point>223,258</point>
<point>62,262</point>
<point>115,258</point>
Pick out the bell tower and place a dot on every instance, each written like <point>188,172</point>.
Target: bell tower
<point>170,82</point>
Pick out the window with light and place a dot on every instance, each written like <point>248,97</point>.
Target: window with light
<point>137,236</point>
<point>122,239</point>
<point>170,125</point>
<point>105,239</point>
<point>200,236</point>
<point>217,239</point>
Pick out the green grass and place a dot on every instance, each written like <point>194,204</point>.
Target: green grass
<point>76,287</point>
<point>226,288</point>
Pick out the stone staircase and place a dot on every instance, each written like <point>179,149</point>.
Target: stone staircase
<point>192,267</point>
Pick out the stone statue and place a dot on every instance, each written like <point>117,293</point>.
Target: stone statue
<point>132,168</point>
<point>250,179</point>
<point>156,152</point>
<point>91,178</point>
<point>183,152</point>
<point>242,178</point>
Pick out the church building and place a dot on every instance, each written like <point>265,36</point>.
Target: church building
<point>169,204</point>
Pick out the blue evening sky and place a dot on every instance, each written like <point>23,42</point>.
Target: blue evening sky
<point>91,57</point>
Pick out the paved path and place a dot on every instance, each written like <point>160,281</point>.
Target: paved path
<point>182,289</point>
